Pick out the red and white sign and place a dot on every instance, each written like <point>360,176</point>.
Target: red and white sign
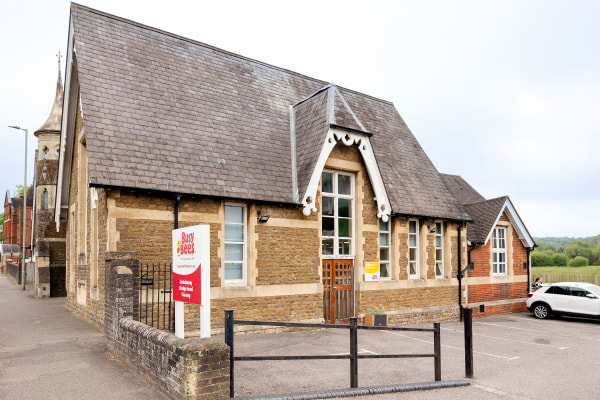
<point>191,254</point>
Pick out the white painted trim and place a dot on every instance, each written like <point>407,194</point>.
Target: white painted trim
<point>515,221</point>
<point>63,131</point>
<point>336,196</point>
<point>443,248</point>
<point>364,146</point>
<point>244,280</point>
<point>349,109</point>
<point>417,233</point>
<point>293,149</point>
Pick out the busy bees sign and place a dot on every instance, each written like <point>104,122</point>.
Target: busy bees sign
<point>191,263</point>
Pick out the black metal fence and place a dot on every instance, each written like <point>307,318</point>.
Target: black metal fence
<point>353,356</point>
<point>155,291</point>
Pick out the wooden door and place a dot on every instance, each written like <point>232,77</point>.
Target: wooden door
<point>338,293</point>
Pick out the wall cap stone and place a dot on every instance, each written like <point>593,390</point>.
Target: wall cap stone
<point>120,255</point>
<point>177,345</point>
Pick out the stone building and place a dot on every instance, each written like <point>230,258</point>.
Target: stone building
<point>321,203</point>
<point>48,243</point>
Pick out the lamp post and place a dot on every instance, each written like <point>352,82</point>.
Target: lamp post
<point>24,209</point>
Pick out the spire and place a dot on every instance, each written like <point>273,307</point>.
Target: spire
<point>59,56</point>
<point>53,122</point>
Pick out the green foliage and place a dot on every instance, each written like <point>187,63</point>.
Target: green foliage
<point>560,260</point>
<point>562,242</point>
<point>545,248</point>
<point>596,255</point>
<point>19,190</point>
<point>578,262</point>
<point>541,260</point>
<point>579,248</point>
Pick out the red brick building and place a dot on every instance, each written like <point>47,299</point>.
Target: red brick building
<point>13,220</point>
<point>499,247</point>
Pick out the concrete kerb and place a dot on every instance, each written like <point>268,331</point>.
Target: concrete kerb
<point>364,391</point>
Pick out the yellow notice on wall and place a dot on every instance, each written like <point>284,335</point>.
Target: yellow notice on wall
<point>371,271</point>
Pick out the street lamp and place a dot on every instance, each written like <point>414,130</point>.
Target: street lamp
<point>24,209</point>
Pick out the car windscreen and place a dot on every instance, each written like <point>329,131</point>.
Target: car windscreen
<point>594,289</point>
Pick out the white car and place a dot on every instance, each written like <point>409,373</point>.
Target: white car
<point>576,299</point>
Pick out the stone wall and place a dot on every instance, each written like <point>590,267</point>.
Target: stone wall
<point>180,368</point>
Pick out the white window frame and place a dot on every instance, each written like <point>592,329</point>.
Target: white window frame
<point>236,282</point>
<point>499,268</point>
<point>439,234</point>
<point>336,196</point>
<point>382,262</point>
<point>416,262</point>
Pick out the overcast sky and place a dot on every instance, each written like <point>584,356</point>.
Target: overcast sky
<point>504,93</point>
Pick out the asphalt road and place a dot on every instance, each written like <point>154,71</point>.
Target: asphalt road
<point>515,357</point>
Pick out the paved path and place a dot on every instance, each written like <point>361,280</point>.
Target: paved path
<point>47,352</point>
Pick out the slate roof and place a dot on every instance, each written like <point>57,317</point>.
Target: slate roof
<point>461,189</point>
<point>18,201</point>
<point>484,214</point>
<point>166,113</point>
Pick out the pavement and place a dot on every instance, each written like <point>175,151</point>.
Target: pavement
<point>48,352</point>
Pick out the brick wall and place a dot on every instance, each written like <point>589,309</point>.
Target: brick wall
<point>493,309</point>
<point>496,291</point>
<point>180,368</point>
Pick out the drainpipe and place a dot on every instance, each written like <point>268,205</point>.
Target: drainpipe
<point>460,272</point>
<point>528,271</point>
<point>176,211</point>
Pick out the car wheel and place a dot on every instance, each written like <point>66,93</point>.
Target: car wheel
<point>541,311</point>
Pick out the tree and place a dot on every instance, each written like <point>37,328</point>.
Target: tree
<point>578,262</point>
<point>19,190</point>
<point>560,260</point>
<point>596,255</point>
<point>541,260</point>
<point>545,248</point>
<point>1,226</point>
<point>579,248</point>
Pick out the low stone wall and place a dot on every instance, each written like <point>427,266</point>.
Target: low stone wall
<point>181,368</point>
<point>14,271</point>
<point>424,315</point>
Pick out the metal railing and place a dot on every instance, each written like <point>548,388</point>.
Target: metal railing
<point>353,327</point>
<point>155,296</point>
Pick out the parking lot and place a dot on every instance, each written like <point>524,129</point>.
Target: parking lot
<point>515,356</point>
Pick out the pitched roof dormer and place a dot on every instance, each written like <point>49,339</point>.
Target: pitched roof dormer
<point>318,123</point>
<point>486,213</point>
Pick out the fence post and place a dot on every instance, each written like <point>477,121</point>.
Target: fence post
<point>437,349</point>
<point>229,342</point>
<point>469,342</point>
<point>353,353</point>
